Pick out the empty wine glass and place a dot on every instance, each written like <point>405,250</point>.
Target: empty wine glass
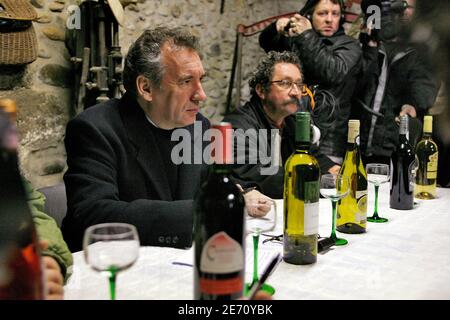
<point>258,221</point>
<point>377,173</point>
<point>334,187</point>
<point>110,248</point>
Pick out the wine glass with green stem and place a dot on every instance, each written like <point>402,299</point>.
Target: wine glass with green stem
<point>110,248</point>
<point>377,174</point>
<point>334,187</point>
<point>261,215</point>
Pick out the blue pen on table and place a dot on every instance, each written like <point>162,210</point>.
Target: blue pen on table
<point>270,268</point>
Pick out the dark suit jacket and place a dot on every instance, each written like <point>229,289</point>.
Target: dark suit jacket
<point>115,174</point>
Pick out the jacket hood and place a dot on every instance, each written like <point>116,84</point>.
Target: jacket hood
<point>310,4</point>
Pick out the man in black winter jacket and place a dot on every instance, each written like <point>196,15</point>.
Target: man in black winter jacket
<point>276,87</point>
<point>330,59</point>
<point>397,78</point>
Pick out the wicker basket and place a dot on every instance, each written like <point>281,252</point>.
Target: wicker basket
<point>17,46</point>
<point>17,10</point>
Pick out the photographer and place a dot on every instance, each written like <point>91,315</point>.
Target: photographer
<point>398,79</point>
<point>329,58</point>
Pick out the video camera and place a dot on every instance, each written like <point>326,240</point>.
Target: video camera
<point>389,24</point>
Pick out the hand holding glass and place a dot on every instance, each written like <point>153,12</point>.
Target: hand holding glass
<point>377,173</point>
<point>260,217</point>
<point>334,187</point>
<point>111,247</point>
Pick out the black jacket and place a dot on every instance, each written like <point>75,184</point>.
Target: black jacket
<point>330,62</point>
<point>116,174</point>
<point>393,75</point>
<point>252,116</point>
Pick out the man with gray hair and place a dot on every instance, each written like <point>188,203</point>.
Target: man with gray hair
<point>277,88</point>
<point>119,151</point>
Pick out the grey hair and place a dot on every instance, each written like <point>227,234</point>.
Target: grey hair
<point>264,71</point>
<point>144,55</point>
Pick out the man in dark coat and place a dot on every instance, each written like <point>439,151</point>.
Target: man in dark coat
<point>119,160</point>
<point>397,78</point>
<point>276,87</point>
<point>329,58</point>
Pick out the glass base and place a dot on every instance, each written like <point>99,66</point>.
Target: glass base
<point>377,219</point>
<point>265,287</point>
<point>341,242</point>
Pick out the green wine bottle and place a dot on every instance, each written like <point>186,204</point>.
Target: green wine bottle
<point>301,198</point>
<point>427,153</point>
<point>352,210</point>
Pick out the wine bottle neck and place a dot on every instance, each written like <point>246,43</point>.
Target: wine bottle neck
<point>402,138</point>
<point>221,169</point>
<point>302,146</point>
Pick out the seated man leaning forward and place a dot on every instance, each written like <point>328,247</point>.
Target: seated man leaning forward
<point>276,88</point>
<point>119,153</point>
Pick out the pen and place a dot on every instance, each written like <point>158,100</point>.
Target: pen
<point>257,285</point>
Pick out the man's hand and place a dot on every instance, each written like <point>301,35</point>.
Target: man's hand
<point>257,204</point>
<point>53,279</point>
<point>53,276</point>
<point>407,109</point>
<point>298,24</point>
<point>334,169</point>
<point>281,25</point>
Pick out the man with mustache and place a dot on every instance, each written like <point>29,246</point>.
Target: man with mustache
<point>330,59</point>
<point>276,89</point>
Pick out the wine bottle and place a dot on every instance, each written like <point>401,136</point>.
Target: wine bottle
<point>301,198</point>
<point>20,264</point>
<point>352,210</point>
<point>219,261</point>
<point>402,166</point>
<point>427,154</point>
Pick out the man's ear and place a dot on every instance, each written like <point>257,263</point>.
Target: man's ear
<point>144,88</point>
<point>260,91</point>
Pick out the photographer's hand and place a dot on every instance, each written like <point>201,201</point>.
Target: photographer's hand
<point>298,24</point>
<point>282,24</point>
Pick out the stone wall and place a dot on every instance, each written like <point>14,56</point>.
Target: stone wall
<point>43,89</point>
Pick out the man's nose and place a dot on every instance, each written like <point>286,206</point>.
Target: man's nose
<point>199,94</point>
<point>295,91</point>
<point>329,17</point>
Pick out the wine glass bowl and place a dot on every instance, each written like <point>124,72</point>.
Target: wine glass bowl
<point>377,174</point>
<point>334,187</point>
<point>110,248</point>
<point>260,215</point>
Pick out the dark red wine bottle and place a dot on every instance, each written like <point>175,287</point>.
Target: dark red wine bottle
<point>20,263</point>
<point>219,261</point>
<point>402,166</point>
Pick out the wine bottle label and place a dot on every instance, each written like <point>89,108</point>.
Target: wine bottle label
<point>222,254</point>
<point>311,218</point>
<point>361,202</point>
<point>432,166</point>
<point>221,286</point>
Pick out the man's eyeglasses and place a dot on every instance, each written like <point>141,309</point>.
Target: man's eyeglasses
<point>288,84</point>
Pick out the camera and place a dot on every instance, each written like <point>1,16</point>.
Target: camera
<point>390,11</point>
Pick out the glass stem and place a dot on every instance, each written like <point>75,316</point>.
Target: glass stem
<point>375,213</point>
<point>112,283</point>
<point>255,256</point>
<point>333,219</point>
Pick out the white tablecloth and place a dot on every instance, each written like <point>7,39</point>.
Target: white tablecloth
<point>406,258</point>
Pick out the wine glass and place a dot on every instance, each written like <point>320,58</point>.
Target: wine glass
<point>110,248</point>
<point>258,221</point>
<point>377,173</point>
<point>334,187</point>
